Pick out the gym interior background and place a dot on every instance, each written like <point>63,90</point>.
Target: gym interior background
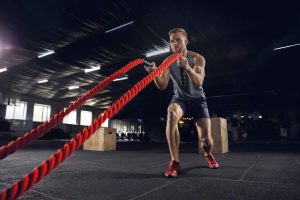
<point>52,52</point>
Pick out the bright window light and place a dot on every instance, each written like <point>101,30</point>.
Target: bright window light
<point>71,118</point>
<point>157,52</point>
<point>3,69</point>
<point>43,81</point>
<point>73,87</point>
<point>121,78</point>
<point>46,53</point>
<point>105,123</point>
<point>86,117</point>
<point>284,47</point>
<point>41,112</point>
<point>92,69</point>
<point>16,112</point>
<point>119,27</point>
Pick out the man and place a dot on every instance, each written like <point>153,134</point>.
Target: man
<point>187,75</point>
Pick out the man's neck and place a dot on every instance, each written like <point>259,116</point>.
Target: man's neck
<point>184,52</point>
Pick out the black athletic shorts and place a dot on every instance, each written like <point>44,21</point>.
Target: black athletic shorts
<point>192,108</point>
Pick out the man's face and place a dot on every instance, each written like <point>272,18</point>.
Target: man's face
<point>178,42</point>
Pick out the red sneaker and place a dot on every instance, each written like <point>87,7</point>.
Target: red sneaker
<point>212,163</point>
<point>177,167</point>
<point>173,169</point>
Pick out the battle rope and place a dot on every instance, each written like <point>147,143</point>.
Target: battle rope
<point>36,133</point>
<point>20,186</point>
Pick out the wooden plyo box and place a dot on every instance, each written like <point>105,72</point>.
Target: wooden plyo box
<point>219,134</point>
<point>104,139</point>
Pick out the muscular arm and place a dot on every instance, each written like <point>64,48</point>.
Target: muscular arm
<point>162,80</point>
<point>197,73</point>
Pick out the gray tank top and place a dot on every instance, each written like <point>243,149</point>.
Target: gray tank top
<point>183,88</point>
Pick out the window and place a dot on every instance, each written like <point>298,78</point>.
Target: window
<point>16,111</point>
<point>41,112</point>
<point>105,123</point>
<point>71,118</point>
<point>86,118</point>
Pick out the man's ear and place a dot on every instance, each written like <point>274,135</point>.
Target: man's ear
<point>186,42</point>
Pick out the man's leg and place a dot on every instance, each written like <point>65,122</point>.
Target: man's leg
<point>173,138</point>
<point>204,134</point>
<point>172,134</point>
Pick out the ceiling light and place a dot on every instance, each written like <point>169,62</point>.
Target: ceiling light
<point>3,69</point>
<point>157,52</point>
<point>286,46</point>
<point>119,27</point>
<point>90,102</point>
<point>92,69</point>
<point>46,53</point>
<point>121,78</point>
<point>43,81</point>
<point>73,87</point>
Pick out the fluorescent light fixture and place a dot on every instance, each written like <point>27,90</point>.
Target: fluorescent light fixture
<point>73,87</point>
<point>92,69</point>
<point>157,52</point>
<point>90,102</point>
<point>3,69</point>
<point>46,53</point>
<point>286,46</point>
<point>121,78</point>
<point>43,81</point>
<point>119,27</point>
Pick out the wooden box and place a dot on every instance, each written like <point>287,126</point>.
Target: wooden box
<point>104,139</point>
<point>219,135</point>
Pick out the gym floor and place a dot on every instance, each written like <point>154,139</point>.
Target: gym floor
<point>135,171</point>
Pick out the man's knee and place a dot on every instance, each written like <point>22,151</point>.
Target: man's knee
<point>204,125</point>
<point>206,140</point>
<point>172,117</point>
<point>173,114</point>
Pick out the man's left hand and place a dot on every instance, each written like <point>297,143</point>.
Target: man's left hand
<point>183,63</point>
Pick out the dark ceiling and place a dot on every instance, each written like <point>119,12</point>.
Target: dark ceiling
<point>236,38</point>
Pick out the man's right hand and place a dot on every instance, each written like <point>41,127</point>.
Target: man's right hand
<point>150,68</point>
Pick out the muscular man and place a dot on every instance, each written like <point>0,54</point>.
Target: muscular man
<point>187,75</point>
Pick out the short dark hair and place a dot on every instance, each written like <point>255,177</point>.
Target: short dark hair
<point>176,30</point>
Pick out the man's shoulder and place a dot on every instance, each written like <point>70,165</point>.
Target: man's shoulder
<point>196,55</point>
